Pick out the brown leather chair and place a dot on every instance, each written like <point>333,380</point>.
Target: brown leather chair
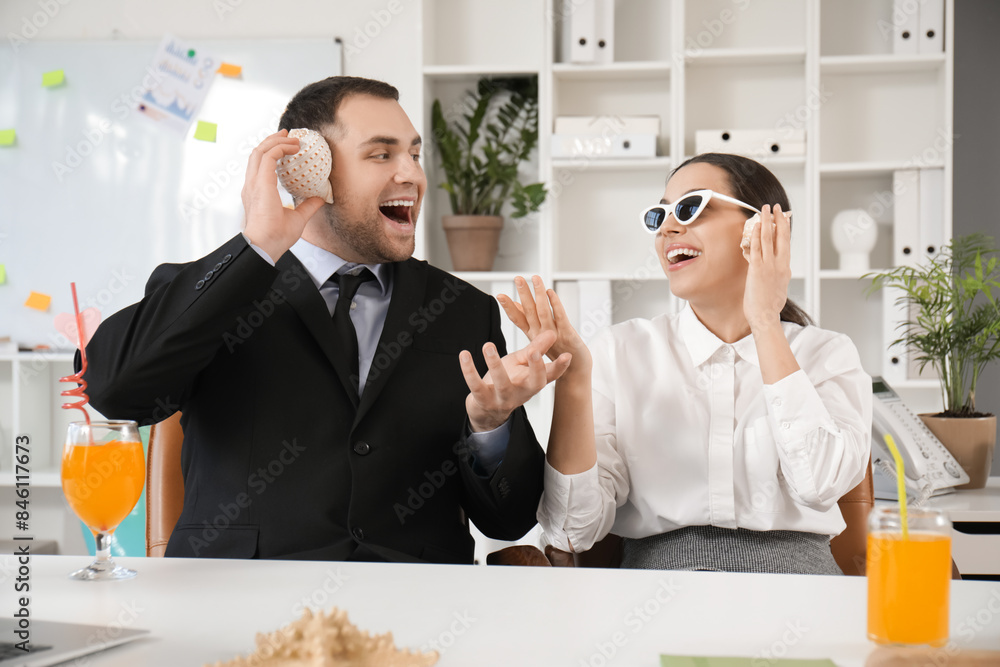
<point>164,483</point>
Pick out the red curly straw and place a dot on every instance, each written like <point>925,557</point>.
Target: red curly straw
<point>77,378</point>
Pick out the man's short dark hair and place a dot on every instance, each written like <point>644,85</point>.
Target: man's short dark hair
<point>315,106</point>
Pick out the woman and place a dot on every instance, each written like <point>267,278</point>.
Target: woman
<point>720,438</point>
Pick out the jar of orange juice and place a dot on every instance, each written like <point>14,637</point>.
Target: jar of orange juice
<point>909,576</point>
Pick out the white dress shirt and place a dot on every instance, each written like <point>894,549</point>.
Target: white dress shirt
<point>688,434</point>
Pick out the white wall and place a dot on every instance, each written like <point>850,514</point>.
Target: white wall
<point>382,38</point>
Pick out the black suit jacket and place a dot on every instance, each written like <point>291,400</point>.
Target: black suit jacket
<point>278,462</point>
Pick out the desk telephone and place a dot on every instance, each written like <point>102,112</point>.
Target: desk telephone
<point>930,469</point>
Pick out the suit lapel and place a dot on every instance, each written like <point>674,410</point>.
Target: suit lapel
<point>312,310</point>
<point>409,285</point>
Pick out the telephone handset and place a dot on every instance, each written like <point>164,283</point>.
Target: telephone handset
<point>930,469</point>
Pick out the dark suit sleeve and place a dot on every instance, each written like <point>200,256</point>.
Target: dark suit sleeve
<point>143,360</point>
<point>504,505</point>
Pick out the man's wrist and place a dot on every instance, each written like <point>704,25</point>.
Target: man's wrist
<point>486,422</point>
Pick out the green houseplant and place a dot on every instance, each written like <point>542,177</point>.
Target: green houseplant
<point>955,327</point>
<point>493,130</point>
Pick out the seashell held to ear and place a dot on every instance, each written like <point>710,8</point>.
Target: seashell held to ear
<point>748,232</point>
<point>307,173</point>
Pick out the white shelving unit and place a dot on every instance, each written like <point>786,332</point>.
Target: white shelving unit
<point>825,66</point>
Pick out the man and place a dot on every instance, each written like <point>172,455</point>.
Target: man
<point>290,449</point>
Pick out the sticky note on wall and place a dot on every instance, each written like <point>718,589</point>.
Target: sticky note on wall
<point>54,78</point>
<point>226,69</point>
<point>205,131</point>
<point>7,137</point>
<point>38,301</point>
<point>3,274</point>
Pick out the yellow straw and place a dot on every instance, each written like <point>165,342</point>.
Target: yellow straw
<point>900,482</point>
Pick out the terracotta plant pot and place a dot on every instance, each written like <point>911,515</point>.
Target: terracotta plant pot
<point>473,240</point>
<point>970,440</point>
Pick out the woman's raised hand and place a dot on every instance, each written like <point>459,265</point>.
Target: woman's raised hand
<point>541,310</point>
<point>770,269</point>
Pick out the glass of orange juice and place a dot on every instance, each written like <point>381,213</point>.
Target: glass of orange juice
<point>103,472</point>
<point>909,577</point>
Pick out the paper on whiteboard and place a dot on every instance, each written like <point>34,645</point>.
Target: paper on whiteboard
<point>185,76</point>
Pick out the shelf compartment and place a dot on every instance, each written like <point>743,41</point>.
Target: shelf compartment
<point>753,96</point>
<point>884,118</point>
<point>857,27</point>
<point>870,193</point>
<point>844,308</point>
<point>724,25</point>
<point>596,227</point>
<point>448,40</point>
<point>616,97</point>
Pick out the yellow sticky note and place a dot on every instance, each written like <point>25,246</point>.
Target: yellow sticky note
<point>7,137</point>
<point>38,301</point>
<point>226,69</point>
<point>3,274</point>
<point>205,131</point>
<point>53,78</point>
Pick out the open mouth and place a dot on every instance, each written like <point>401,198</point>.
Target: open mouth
<point>397,210</point>
<point>679,256</point>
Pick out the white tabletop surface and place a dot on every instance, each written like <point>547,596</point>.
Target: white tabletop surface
<point>206,610</point>
<point>972,505</point>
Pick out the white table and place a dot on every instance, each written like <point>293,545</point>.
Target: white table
<point>206,610</point>
<point>974,552</point>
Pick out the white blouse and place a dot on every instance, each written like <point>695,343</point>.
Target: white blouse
<point>688,434</point>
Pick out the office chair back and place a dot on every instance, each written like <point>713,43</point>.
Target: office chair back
<point>164,483</point>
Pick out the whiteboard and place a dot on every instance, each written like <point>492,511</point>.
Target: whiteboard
<point>96,193</point>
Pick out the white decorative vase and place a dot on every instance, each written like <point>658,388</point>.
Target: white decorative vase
<point>854,234</point>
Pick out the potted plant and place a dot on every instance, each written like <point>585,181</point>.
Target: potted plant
<point>494,130</point>
<point>955,327</point>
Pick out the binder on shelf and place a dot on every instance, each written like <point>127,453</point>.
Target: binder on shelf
<point>604,32</point>
<point>931,211</point>
<point>931,22</point>
<point>752,143</point>
<point>578,43</point>
<point>906,217</point>
<point>604,125</point>
<point>905,27</point>
<point>593,146</point>
<point>595,307</point>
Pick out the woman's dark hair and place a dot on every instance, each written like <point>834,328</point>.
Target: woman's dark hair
<point>754,184</point>
<point>315,106</point>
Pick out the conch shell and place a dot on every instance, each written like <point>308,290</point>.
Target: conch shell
<point>307,173</point>
<point>748,232</point>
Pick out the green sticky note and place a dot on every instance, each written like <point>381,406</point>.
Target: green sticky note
<point>53,78</point>
<point>7,137</point>
<point>696,661</point>
<point>205,131</point>
<point>3,274</point>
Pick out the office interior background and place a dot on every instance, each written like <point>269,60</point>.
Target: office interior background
<point>429,48</point>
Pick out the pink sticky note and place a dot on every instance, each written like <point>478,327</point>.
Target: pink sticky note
<point>66,325</point>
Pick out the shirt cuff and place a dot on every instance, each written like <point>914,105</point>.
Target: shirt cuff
<point>488,449</point>
<point>796,408</point>
<point>571,507</point>
<point>259,250</point>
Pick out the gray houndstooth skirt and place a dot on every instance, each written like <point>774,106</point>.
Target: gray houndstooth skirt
<point>727,550</point>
